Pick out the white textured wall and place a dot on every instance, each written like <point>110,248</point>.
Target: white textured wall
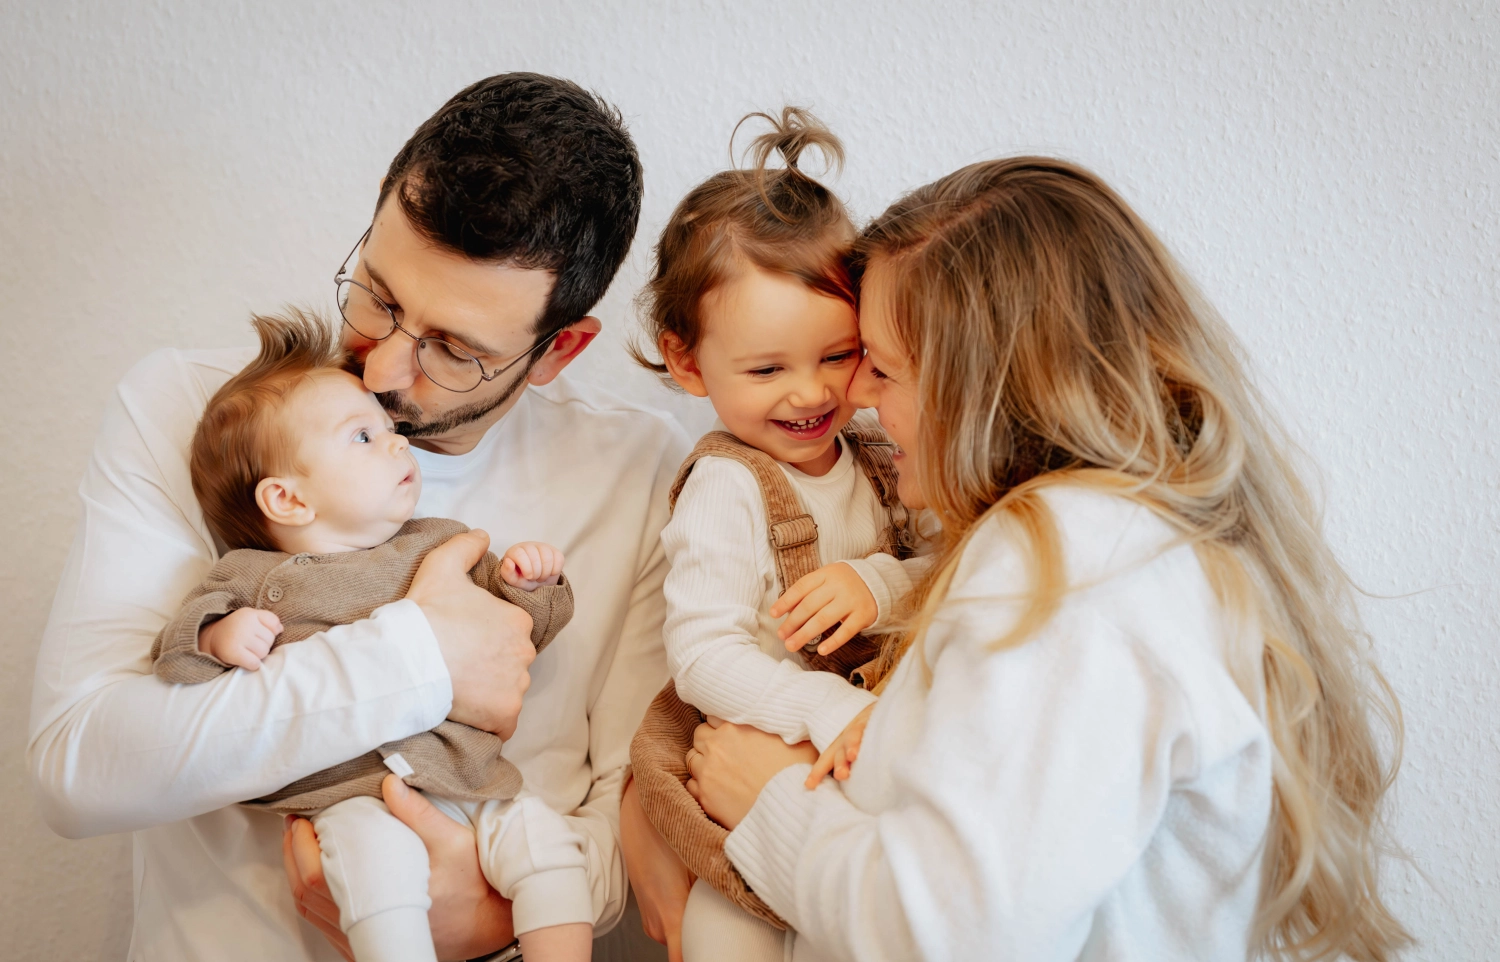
<point>1327,171</point>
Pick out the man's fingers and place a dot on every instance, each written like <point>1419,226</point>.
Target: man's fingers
<point>307,855</point>
<point>460,552</point>
<point>420,815</point>
<point>674,945</point>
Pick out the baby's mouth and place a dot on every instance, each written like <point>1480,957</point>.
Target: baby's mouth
<point>804,429</point>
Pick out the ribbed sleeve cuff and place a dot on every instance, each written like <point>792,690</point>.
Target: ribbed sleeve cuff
<point>765,845</point>
<point>555,897</point>
<point>838,709</point>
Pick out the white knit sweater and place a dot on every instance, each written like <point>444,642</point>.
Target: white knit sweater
<point>1101,791</point>
<point>721,642</point>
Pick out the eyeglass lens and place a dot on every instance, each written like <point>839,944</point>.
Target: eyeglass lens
<point>444,364</point>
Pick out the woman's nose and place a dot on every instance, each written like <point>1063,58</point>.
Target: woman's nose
<point>390,365</point>
<point>862,389</point>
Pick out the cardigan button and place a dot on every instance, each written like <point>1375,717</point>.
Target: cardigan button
<point>274,593</point>
<point>303,559</point>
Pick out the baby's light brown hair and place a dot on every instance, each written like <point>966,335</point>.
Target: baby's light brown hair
<point>240,439</point>
<point>777,219</point>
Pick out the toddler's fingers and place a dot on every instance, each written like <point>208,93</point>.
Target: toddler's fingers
<point>821,767</point>
<point>847,629</point>
<point>792,596</point>
<point>814,626</point>
<point>817,600</point>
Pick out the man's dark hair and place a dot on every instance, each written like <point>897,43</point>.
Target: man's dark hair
<point>530,170</point>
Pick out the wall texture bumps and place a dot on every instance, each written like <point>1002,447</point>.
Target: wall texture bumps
<point>1327,172</point>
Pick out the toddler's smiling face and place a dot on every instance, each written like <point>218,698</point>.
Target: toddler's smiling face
<point>775,359</point>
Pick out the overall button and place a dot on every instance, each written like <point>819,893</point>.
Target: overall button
<point>274,593</point>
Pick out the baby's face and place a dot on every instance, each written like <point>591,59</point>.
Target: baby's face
<point>350,467</point>
<point>776,358</point>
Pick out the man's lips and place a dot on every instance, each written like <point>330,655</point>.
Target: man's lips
<point>806,429</point>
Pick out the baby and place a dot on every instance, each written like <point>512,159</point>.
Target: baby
<point>299,471</point>
<point>786,536</point>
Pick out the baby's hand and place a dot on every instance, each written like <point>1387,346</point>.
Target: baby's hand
<point>531,564</point>
<point>839,756</point>
<point>834,593</point>
<point>241,638</point>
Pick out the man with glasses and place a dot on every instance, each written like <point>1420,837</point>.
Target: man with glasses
<point>498,227</point>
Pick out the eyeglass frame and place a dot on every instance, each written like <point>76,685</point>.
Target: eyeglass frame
<point>341,276</point>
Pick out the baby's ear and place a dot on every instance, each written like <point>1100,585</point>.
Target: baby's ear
<point>278,501</point>
<point>681,364</point>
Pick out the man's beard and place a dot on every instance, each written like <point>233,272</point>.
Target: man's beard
<point>408,416</point>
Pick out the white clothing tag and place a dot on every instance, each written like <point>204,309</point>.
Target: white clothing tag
<point>400,765</point>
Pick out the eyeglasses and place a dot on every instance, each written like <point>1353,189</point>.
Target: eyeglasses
<point>446,364</point>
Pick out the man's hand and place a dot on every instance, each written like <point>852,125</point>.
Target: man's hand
<point>468,918</point>
<point>657,876</point>
<point>531,564</point>
<point>241,638</point>
<point>833,595</point>
<point>486,642</point>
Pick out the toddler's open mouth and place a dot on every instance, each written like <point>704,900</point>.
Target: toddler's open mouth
<point>806,429</point>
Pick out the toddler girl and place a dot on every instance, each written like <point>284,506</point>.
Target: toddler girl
<point>299,471</point>
<point>751,306</point>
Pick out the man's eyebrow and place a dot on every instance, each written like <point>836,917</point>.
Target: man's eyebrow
<point>465,342</point>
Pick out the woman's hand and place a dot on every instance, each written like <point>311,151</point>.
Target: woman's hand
<point>730,764</point>
<point>468,918</point>
<point>657,876</point>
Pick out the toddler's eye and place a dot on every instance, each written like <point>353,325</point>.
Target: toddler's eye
<point>363,437</point>
<point>764,371</point>
<point>840,357</point>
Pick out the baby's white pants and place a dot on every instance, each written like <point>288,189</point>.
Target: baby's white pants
<point>377,870</point>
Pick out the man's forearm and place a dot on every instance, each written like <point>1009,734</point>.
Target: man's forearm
<point>137,752</point>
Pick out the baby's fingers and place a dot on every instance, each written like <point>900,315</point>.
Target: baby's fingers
<point>269,620</point>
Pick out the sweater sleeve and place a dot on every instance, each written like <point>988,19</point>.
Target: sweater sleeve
<point>1032,782</point>
<point>716,543</point>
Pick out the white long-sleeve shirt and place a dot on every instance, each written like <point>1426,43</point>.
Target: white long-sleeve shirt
<point>115,749</point>
<point>721,641</point>
<point>1100,792</point>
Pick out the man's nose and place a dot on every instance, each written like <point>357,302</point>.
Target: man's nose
<point>391,365</point>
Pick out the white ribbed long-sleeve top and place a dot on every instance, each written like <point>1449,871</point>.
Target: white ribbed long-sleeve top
<point>721,641</point>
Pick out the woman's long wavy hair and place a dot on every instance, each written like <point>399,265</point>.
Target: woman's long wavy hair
<point>1054,341</point>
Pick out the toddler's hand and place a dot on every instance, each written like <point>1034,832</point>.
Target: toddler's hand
<point>241,638</point>
<point>834,593</point>
<point>531,564</point>
<point>839,756</point>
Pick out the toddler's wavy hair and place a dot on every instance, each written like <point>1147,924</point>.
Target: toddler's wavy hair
<point>240,439</point>
<point>777,219</point>
<point>1053,341</point>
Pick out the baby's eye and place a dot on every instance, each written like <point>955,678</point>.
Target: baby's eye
<point>362,436</point>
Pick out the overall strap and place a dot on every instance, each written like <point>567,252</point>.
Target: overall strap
<point>792,531</point>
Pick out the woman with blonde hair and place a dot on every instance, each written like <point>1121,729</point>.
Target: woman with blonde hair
<point>1134,717</point>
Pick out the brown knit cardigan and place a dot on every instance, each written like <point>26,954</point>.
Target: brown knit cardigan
<point>313,592</point>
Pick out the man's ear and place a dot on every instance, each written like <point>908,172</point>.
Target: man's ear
<point>568,344</point>
<point>278,501</point>
<point>681,364</point>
